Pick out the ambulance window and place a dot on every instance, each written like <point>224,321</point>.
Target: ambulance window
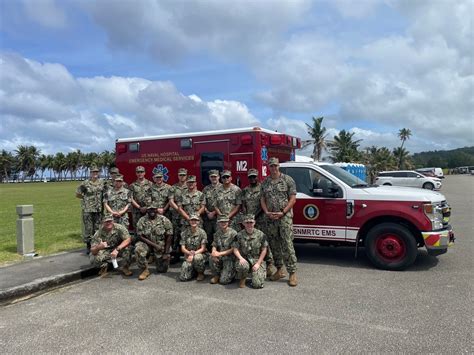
<point>134,147</point>
<point>303,179</point>
<point>211,161</point>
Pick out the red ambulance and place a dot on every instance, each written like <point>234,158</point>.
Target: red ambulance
<point>333,207</point>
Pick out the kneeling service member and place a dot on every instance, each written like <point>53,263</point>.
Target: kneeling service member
<point>154,234</point>
<point>193,246</point>
<point>250,248</point>
<point>222,256</point>
<point>110,241</point>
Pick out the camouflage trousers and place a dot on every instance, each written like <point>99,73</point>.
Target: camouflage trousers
<point>280,238</point>
<point>136,215</point>
<point>258,277</point>
<point>123,220</point>
<point>189,269</point>
<point>91,221</point>
<point>103,257</point>
<point>224,268</point>
<point>142,251</point>
<point>176,221</point>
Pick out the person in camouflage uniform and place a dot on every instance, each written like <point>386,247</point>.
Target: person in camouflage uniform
<point>192,202</point>
<point>228,199</point>
<point>117,202</point>
<point>278,199</point>
<point>109,242</point>
<point>154,232</point>
<point>90,192</point>
<point>222,257</point>
<point>159,195</point>
<point>251,196</point>
<point>176,192</point>
<point>209,217</point>
<point>250,247</point>
<point>140,191</point>
<point>110,182</point>
<point>193,245</point>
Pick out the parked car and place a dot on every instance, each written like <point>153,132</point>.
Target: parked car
<point>436,172</point>
<point>407,178</point>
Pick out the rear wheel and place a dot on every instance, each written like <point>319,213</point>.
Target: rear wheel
<point>390,246</point>
<point>387,184</point>
<point>428,186</point>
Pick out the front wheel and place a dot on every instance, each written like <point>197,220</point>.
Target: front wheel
<point>428,186</point>
<point>391,246</point>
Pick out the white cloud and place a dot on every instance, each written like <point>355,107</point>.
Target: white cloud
<point>32,107</point>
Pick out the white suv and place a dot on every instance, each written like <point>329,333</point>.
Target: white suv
<point>407,178</point>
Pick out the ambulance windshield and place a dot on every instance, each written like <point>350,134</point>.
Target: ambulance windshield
<point>341,174</point>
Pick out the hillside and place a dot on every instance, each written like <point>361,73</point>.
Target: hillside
<point>445,158</point>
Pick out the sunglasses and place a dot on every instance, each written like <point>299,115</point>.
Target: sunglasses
<point>226,177</point>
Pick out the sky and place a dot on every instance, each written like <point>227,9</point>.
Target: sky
<point>78,74</point>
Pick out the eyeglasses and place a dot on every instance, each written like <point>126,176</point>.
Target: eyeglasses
<point>181,174</point>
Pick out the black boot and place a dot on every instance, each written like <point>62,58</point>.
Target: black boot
<point>88,246</point>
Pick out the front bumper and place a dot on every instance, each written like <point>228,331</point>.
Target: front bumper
<point>437,242</point>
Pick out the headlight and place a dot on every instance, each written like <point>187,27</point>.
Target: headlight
<point>435,214</point>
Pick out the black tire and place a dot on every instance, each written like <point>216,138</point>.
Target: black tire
<point>387,184</point>
<point>428,186</point>
<point>390,246</point>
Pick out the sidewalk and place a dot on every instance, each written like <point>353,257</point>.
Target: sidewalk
<point>42,273</point>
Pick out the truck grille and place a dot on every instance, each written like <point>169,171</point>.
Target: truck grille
<point>446,209</point>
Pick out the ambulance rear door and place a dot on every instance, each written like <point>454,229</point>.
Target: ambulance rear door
<point>210,155</point>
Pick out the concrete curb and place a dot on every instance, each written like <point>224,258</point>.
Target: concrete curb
<point>44,284</point>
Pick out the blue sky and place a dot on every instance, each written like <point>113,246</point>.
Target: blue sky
<point>78,74</point>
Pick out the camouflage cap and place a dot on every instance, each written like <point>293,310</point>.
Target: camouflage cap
<point>158,174</point>
<point>273,161</point>
<point>213,173</point>
<point>152,206</point>
<point>249,218</point>
<point>191,178</point>
<point>114,170</point>
<point>107,217</point>
<point>94,168</point>
<point>182,171</point>
<point>252,172</point>
<point>226,173</point>
<point>119,178</point>
<point>194,217</point>
<point>223,218</point>
<point>140,169</point>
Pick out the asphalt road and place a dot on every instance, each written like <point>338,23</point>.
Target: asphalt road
<point>340,305</point>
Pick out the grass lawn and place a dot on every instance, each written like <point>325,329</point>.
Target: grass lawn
<point>57,217</point>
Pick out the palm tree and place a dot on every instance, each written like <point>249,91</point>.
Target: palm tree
<point>88,160</point>
<point>378,159</point>
<point>107,159</point>
<point>59,164</point>
<point>318,133</point>
<point>43,164</point>
<point>73,162</point>
<point>343,148</point>
<point>26,157</point>
<point>403,134</point>
<point>404,159</point>
<point>7,161</point>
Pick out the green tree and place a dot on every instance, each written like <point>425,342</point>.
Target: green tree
<point>59,165</point>
<point>7,163</point>
<point>318,133</point>
<point>26,157</point>
<point>376,160</point>
<point>343,148</point>
<point>403,134</point>
<point>73,162</point>
<point>403,158</point>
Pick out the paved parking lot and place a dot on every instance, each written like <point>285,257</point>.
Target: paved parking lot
<point>342,304</point>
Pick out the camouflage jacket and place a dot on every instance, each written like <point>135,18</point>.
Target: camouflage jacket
<point>209,192</point>
<point>227,199</point>
<point>176,193</point>
<point>159,195</point>
<point>192,202</point>
<point>250,246</point>
<point>113,238</point>
<point>92,194</point>
<point>118,199</point>
<point>193,241</point>
<point>140,191</point>
<point>223,241</point>
<point>277,192</point>
<point>251,199</point>
<point>155,230</point>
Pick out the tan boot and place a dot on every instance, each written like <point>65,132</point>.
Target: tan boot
<point>145,273</point>
<point>293,281</point>
<point>277,275</point>
<point>103,271</point>
<point>200,276</point>
<point>215,280</point>
<point>126,271</point>
<point>242,282</point>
